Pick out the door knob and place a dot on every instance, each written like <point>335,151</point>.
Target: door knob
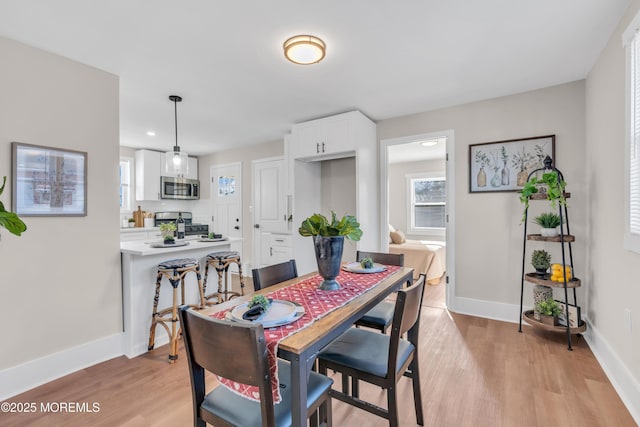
<point>237,227</point>
<point>256,225</point>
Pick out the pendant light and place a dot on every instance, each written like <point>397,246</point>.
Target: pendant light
<point>176,161</point>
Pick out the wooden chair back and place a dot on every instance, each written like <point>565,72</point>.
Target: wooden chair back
<point>381,258</point>
<point>272,274</point>
<point>231,350</point>
<point>406,318</point>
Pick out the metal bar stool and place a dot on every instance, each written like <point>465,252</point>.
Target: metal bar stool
<point>221,262</point>
<point>175,271</point>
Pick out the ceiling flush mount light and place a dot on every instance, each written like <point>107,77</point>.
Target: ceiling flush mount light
<point>176,161</point>
<point>151,133</point>
<point>304,49</point>
<point>429,143</point>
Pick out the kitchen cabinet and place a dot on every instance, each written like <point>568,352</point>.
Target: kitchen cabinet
<point>192,170</point>
<point>328,137</point>
<point>315,192</point>
<point>150,167</point>
<point>140,234</point>
<point>280,248</point>
<point>147,175</point>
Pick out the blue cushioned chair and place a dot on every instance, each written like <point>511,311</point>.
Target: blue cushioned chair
<point>238,352</point>
<point>380,316</point>
<point>272,274</point>
<point>380,359</point>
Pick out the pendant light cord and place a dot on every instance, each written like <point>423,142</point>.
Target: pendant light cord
<point>176,99</point>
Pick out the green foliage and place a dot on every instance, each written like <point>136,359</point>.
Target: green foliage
<point>318,225</point>
<point>548,220</point>
<point>260,300</point>
<point>554,187</point>
<point>167,227</point>
<point>10,220</point>
<point>366,263</point>
<point>550,307</point>
<point>541,259</point>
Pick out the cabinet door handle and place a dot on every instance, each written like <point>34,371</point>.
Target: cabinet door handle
<point>317,147</point>
<point>279,240</point>
<point>323,147</point>
<point>270,251</point>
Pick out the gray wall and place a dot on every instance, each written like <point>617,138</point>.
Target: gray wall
<point>61,278</point>
<point>488,232</point>
<point>612,271</point>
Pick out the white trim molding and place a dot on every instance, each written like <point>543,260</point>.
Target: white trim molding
<point>31,374</point>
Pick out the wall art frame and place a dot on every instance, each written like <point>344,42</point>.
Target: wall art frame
<point>505,165</point>
<point>48,181</point>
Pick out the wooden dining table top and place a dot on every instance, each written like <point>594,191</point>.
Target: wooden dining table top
<point>302,340</point>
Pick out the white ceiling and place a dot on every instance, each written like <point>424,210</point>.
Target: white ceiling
<point>384,58</point>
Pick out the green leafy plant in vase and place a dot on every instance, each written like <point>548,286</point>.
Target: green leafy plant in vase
<point>10,220</point>
<point>328,240</point>
<point>541,261</point>
<point>167,230</point>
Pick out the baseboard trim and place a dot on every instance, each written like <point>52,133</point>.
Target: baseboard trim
<point>18,379</point>
<point>487,309</point>
<point>620,376</point>
<point>616,371</point>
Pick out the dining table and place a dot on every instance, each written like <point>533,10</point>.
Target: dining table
<point>302,347</point>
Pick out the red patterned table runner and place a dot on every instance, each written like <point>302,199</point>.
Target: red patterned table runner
<point>317,303</point>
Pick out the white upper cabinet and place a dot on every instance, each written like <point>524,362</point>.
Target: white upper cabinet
<point>192,172</point>
<point>326,138</point>
<point>147,175</point>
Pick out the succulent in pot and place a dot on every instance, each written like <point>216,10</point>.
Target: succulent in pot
<point>549,223</point>
<point>541,261</point>
<point>549,311</point>
<point>328,241</point>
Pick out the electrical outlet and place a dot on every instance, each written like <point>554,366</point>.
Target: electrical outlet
<point>627,319</point>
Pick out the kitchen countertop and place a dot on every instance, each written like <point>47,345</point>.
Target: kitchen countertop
<point>142,248</point>
<point>133,229</point>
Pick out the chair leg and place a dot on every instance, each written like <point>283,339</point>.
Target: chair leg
<point>154,322</point>
<point>392,406</point>
<point>325,414</point>
<point>417,394</point>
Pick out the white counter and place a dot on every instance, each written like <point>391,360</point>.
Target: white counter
<point>139,270</point>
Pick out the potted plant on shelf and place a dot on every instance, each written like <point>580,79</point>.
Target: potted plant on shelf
<point>549,311</point>
<point>10,220</point>
<point>549,223</point>
<point>550,184</point>
<point>541,261</point>
<point>328,241</point>
<point>167,230</point>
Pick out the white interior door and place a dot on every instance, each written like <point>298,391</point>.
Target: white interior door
<point>269,207</point>
<point>226,203</point>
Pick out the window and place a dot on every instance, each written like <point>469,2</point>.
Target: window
<point>631,41</point>
<point>427,195</point>
<point>125,184</point>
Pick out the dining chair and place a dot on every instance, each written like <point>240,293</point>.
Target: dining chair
<point>238,352</point>
<point>380,359</point>
<point>380,316</point>
<point>272,274</point>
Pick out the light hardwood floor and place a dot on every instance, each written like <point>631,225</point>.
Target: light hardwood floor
<point>474,372</point>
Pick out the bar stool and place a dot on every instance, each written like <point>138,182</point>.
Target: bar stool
<point>221,262</point>
<point>175,271</point>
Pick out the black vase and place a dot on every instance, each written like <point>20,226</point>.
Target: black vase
<point>329,257</point>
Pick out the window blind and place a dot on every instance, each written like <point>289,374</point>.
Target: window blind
<point>634,141</point>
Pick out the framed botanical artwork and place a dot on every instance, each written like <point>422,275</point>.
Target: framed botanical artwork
<point>48,181</point>
<point>505,165</point>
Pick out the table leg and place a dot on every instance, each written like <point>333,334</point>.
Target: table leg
<point>299,375</point>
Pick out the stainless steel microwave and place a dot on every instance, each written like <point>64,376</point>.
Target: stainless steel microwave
<point>179,188</point>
